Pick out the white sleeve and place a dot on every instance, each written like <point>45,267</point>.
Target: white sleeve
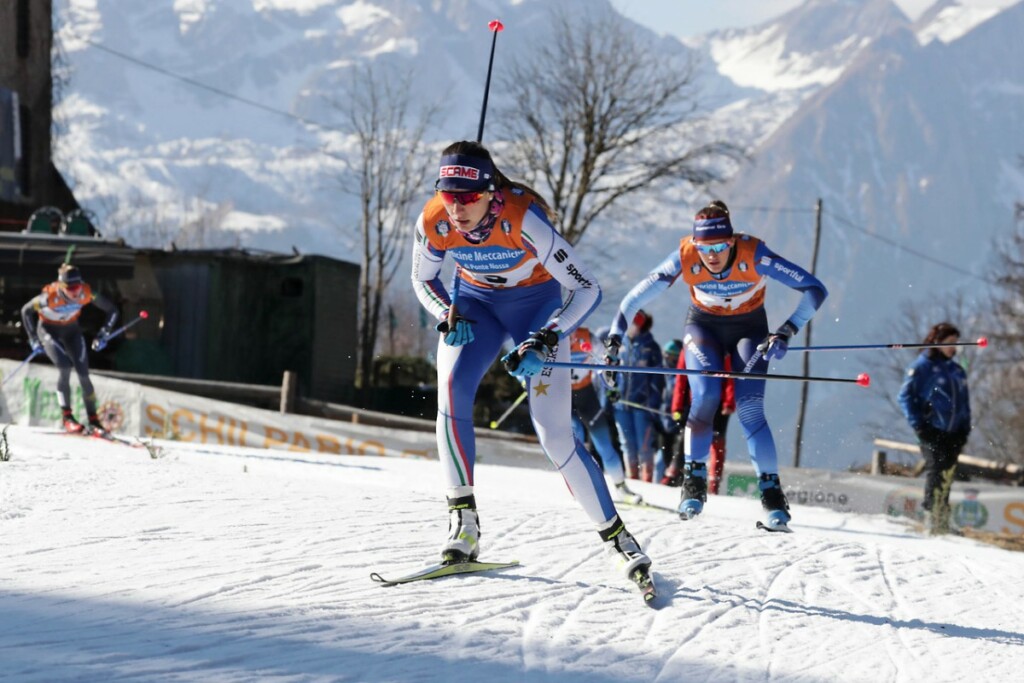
<point>426,274</point>
<point>558,257</point>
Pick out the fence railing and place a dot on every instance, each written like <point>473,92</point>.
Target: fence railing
<point>970,464</point>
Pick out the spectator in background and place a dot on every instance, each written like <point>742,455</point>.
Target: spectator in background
<point>590,416</point>
<point>670,428</point>
<point>936,403</point>
<point>637,399</point>
<point>680,410</point>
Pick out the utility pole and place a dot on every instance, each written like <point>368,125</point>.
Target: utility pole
<point>807,356</point>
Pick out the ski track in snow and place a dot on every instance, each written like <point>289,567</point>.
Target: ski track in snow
<point>239,565</point>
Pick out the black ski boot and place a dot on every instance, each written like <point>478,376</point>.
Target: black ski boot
<point>695,490</point>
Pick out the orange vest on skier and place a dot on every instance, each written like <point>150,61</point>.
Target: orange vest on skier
<point>60,306</point>
<point>502,260</point>
<point>742,291</point>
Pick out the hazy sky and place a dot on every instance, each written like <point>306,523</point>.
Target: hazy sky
<point>688,17</point>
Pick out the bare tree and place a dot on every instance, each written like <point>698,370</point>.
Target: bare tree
<point>1001,382</point>
<point>384,170</point>
<point>598,113</point>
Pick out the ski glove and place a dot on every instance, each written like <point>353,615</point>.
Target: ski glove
<point>611,357</point>
<point>527,360</point>
<point>35,345</point>
<point>459,335</point>
<point>775,345</point>
<point>100,342</point>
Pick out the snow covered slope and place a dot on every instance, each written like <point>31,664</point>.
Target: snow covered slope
<point>238,565</point>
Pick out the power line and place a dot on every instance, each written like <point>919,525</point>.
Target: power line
<point>203,86</point>
<point>890,242</point>
<point>908,250</point>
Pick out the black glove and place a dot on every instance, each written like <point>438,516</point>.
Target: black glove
<point>613,394</point>
<point>775,345</point>
<point>611,357</point>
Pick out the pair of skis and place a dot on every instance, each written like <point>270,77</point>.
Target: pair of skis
<point>641,576</point>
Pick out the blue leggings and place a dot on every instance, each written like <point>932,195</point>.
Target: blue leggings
<point>706,340</point>
<point>637,437</point>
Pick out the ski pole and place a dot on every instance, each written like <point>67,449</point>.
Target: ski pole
<point>496,27</point>
<point>640,406</point>
<point>981,343</point>
<point>15,371</point>
<point>497,423</point>
<point>862,379</point>
<point>121,330</point>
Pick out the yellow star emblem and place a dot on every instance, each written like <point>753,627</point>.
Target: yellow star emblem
<point>541,389</point>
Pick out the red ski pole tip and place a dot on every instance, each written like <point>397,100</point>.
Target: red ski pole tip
<point>143,315</point>
<point>983,342</point>
<point>496,25</point>
<point>863,379</point>
<point>586,347</point>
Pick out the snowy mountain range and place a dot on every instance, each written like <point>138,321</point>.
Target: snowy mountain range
<point>190,120</point>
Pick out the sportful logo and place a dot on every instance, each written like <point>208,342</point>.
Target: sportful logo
<point>560,255</point>
<point>578,276</point>
<point>467,172</point>
<point>789,271</point>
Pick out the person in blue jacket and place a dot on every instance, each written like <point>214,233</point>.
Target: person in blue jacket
<point>726,275</point>
<point>637,399</point>
<point>936,403</point>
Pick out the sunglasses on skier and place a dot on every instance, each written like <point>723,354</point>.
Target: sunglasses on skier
<point>73,289</point>
<point>717,248</point>
<point>463,198</point>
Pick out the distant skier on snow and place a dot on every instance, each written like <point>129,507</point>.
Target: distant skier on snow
<point>511,267</point>
<point>51,323</point>
<point>727,274</point>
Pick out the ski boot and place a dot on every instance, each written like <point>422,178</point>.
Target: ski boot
<point>623,494</point>
<point>71,425</point>
<point>96,428</point>
<point>624,549</point>
<point>673,477</point>
<point>463,543</point>
<point>773,500</point>
<point>695,490</point>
